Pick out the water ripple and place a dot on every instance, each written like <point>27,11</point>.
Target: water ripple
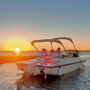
<point>13,79</point>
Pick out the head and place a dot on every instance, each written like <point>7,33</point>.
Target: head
<point>58,49</point>
<point>43,49</point>
<point>52,50</point>
<point>76,51</point>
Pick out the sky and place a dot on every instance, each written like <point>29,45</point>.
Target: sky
<point>39,19</point>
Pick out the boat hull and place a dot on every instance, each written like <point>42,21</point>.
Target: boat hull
<point>62,67</point>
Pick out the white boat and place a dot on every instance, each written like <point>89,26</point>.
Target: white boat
<point>52,65</point>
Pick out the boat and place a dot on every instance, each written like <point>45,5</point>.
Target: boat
<point>49,65</point>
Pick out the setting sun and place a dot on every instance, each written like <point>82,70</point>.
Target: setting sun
<point>17,49</point>
<point>11,44</point>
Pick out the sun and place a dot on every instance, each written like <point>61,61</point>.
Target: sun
<point>17,44</point>
<point>17,49</point>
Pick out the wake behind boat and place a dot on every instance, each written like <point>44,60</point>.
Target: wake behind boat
<point>53,63</point>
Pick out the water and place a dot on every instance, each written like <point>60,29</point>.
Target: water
<point>13,79</point>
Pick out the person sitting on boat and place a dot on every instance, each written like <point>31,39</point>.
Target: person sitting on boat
<point>57,53</point>
<point>51,54</point>
<point>44,53</point>
<point>75,53</point>
<point>70,52</point>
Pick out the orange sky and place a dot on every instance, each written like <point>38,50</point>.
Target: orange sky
<point>24,44</point>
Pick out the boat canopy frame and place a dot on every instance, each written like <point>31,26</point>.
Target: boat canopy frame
<point>47,40</point>
<point>66,38</point>
<point>56,40</point>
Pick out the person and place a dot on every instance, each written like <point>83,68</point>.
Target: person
<point>70,52</point>
<point>51,53</point>
<point>75,53</point>
<point>57,53</point>
<point>44,53</point>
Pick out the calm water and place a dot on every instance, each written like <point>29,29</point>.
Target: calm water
<point>13,79</point>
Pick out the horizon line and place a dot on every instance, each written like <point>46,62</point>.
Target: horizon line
<point>34,51</point>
